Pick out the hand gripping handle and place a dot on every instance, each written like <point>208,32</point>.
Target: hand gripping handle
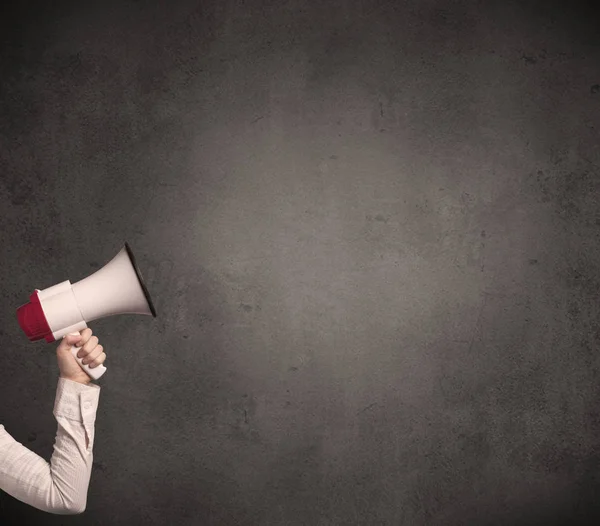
<point>94,373</point>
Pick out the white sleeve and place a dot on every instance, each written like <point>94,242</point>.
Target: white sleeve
<point>60,486</point>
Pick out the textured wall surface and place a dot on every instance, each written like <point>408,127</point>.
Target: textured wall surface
<point>372,235</point>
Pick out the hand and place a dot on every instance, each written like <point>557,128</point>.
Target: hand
<point>92,354</point>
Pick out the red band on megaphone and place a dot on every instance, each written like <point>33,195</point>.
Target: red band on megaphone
<point>33,321</point>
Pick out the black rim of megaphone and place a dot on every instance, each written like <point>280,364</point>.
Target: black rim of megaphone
<point>140,279</point>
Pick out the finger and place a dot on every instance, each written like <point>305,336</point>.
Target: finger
<point>88,347</point>
<point>68,341</point>
<point>98,361</point>
<point>86,334</point>
<point>97,351</point>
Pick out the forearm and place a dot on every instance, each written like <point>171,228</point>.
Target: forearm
<point>71,463</point>
<point>57,487</point>
<point>60,486</point>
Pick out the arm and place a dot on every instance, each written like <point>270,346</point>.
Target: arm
<point>60,486</point>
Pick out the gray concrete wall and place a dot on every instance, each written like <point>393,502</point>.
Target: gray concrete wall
<point>371,233</point>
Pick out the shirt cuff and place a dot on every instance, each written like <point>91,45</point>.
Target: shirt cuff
<point>76,401</point>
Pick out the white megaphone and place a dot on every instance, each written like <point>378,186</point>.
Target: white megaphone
<point>117,288</point>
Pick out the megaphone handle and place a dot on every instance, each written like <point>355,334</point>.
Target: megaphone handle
<point>94,373</point>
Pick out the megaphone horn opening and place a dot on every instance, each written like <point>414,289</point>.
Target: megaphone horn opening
<point>140,279</point>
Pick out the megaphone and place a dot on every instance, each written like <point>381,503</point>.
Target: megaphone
<point>117,288</point>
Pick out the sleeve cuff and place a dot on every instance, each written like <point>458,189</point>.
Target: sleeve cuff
<point>76,401</point>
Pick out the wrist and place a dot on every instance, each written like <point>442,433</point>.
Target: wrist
<point>80,380</point>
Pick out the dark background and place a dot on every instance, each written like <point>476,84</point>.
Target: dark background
<point>372,235</point>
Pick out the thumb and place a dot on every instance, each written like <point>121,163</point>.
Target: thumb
<point>68,341</point>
